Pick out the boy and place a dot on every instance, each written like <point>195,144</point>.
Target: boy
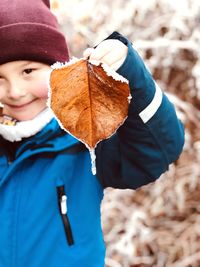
<point>50,201</point>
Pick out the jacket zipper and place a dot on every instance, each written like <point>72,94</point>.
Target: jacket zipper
<point>62,200</point>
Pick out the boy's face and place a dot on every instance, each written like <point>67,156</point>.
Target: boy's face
<point>23,88</point>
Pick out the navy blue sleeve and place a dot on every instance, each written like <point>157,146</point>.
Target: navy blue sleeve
<point>151,138</point>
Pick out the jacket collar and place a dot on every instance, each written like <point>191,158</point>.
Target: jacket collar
<point>50,139</point>
<point>14,131</point>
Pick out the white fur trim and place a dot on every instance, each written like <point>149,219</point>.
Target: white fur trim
<point>107,69</point>
<point>25,129</point>
<point>151,109</point>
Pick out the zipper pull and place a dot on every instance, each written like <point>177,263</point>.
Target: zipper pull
<point>63,204</point>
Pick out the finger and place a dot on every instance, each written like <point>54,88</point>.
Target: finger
<point>116,65</point>
<point>88,52</point>
<point>104,48</point>
<point>99,52</point>
<point>114,56</point>
<point>109,51</point>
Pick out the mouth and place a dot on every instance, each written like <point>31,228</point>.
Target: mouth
<point>20,106</point>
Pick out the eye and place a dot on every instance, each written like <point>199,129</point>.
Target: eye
<point>28,71</point>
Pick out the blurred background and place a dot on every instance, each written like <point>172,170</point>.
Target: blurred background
<point>159,224</point>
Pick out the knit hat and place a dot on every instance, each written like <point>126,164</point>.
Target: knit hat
<point>29,31</point>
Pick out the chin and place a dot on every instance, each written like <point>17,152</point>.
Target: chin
<point>26,116</point>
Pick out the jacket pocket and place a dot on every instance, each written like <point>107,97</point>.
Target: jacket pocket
<point>62,203</point>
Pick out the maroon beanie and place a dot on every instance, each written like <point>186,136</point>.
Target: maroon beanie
<point>29,31</point>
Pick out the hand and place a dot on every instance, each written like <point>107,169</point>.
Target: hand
<point>111,52</point>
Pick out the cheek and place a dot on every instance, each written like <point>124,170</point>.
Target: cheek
<point>2,96</point>
<point>40,90</point>
<point>2,91</point>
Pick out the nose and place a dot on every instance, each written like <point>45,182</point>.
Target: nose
<point>16,91</point>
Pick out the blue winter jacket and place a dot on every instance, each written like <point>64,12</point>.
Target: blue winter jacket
<point>49,199</point>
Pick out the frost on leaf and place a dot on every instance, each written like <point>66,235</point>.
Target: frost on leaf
<point>89,103</point>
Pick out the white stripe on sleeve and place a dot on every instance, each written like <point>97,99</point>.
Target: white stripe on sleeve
<point>151,109</point>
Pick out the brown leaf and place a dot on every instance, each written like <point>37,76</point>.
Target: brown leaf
<point>89,104</point>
